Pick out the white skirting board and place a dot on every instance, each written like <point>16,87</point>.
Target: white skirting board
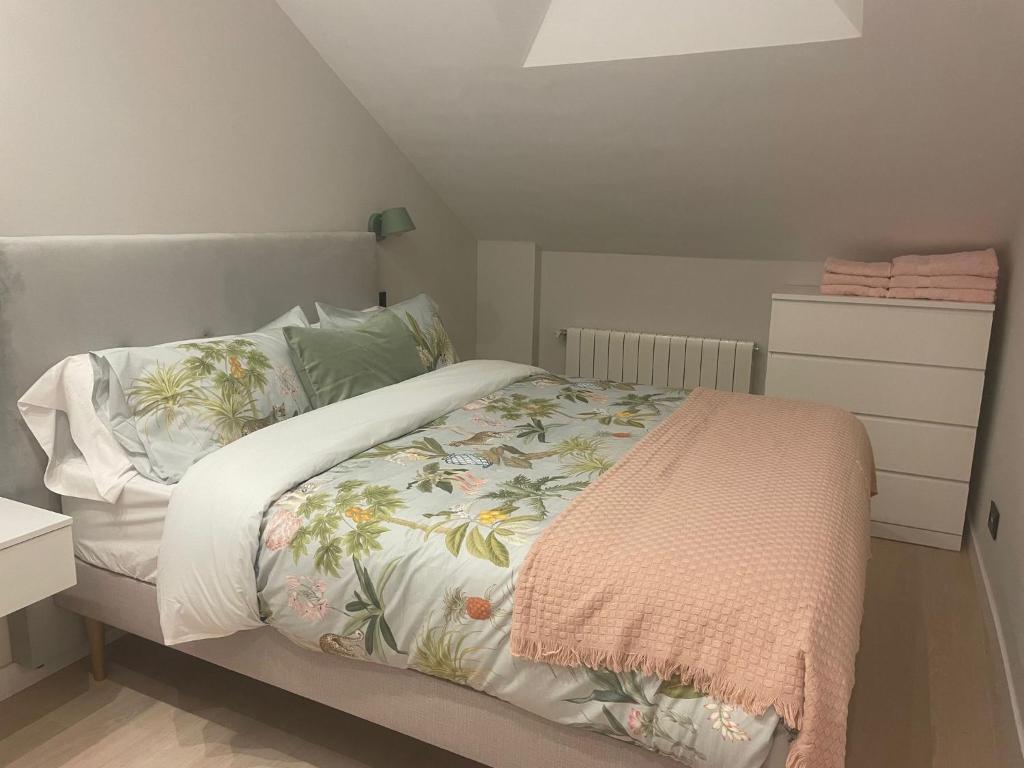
<point>1018,720</point>
<point>5,643</point>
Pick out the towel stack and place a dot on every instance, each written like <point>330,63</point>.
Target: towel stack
<point>968,276</point>
<point>856,278</point>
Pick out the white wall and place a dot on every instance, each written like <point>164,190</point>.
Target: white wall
<point>716,298</point>
<point>119,116</point>
<point>999,465</point>
<point>507,300</point>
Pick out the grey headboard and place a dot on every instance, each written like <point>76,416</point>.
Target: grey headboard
<point>63,295</point>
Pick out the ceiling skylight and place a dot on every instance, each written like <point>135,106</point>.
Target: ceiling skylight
<point>577,31</point>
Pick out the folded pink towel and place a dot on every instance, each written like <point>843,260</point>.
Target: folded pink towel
<point>854,290</point>
<point>866,268</point>
<point>971,282</point>
<point>833,278</point>
<point>979,263</point>
<point>942,294</point>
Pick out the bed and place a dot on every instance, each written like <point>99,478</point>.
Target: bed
<point>432,457</point>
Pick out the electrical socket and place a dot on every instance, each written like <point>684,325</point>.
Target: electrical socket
<point>993,520</point>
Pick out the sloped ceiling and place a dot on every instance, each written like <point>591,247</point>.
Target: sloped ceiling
<point>909,137</point>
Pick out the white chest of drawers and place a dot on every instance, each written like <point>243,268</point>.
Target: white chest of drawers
<point>913,372</point>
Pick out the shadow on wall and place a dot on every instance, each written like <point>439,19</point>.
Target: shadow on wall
<point>998,351</point>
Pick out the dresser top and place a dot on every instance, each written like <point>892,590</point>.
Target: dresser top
<point>915,303</point>
<point>21,522</point>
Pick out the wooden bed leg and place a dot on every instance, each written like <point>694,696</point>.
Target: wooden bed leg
<point>97,648</point>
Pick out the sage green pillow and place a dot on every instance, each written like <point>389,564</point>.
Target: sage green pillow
<point>419,313</point>
<point>337,364</point>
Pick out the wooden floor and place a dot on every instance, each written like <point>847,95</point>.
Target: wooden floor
<point>926,695</point>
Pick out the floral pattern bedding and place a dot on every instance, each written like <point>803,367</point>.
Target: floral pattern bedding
<point>407,554</point>
<point>171,404</point>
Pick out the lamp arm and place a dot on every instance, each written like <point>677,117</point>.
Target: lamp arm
<point>374,225</point>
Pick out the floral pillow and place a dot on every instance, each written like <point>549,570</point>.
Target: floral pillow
<point>171,404</point>
<point>419,313</point>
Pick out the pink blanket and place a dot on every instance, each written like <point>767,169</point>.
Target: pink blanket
<point>978,263</point>
<point>944,294</point>
<point>835,278</point>
<point>970,282</point>
<point>865,268</point>
<point>728,547</point>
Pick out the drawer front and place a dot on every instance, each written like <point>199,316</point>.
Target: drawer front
<point>937,539</point>
<point>921,448</point>
<point>925,335</point>
<point>920,502</point>
<point>35,569</point>
<point>917,392</point>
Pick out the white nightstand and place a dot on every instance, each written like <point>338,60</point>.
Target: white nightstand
<point>37,558</point>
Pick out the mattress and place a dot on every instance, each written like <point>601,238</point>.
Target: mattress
<point>123,537</point>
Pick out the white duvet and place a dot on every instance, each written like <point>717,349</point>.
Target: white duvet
<point>206,579</point>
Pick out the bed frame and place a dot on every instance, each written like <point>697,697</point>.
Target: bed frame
<point>450,716</point>
<point>64,295</point>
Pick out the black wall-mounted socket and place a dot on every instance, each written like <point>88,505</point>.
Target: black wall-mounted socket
<point>993,520</point>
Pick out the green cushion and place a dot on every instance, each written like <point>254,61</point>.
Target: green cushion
<point>337,364</point>
<point>419,313</point>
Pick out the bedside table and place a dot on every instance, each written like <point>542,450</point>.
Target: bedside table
<point>37,558</point>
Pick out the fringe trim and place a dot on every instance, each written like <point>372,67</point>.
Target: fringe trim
<point>797,757</point>
<point>712,683</point>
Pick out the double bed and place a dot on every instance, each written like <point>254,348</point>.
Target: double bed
<point>397,543</point>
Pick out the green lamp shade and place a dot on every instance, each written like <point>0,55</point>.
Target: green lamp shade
<point>392,221</point>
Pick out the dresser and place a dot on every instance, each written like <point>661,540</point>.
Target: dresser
<point>913,373</point>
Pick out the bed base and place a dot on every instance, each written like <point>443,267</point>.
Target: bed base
<point>453,717</point>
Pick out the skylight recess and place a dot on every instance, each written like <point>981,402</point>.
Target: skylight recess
<point>578,31</point>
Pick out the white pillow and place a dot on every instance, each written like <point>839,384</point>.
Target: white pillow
<point>58,409</point>
<point>61,415</point>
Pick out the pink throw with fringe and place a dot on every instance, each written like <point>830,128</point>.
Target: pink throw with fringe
<point>729,547</point>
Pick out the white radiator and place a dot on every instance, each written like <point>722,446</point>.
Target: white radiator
<point>680,362</point>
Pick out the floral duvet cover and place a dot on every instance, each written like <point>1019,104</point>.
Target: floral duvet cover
<point>406,554</point>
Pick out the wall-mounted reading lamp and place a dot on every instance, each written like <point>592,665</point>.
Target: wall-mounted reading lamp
<point>392,221</point>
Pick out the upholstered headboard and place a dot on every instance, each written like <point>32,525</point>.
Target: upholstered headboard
<point>64,295</point>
